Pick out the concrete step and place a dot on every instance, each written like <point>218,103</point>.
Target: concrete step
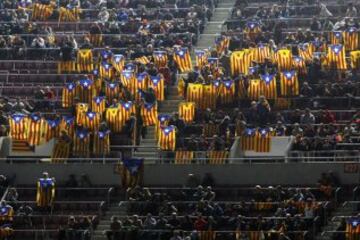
<point>225,4</point>
<point>148,141</point>
<point>173,97</point>
<point>170,102</point>
<point>145,155</point>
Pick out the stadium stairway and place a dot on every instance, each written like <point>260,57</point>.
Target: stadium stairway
<point>104,224</point>
<point>334,222</point>
<point>221,13</point>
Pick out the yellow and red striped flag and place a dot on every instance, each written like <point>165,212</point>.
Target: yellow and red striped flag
<point>182,59</point>
<point>270,88</point>
<point>69,14</point>
<point>118,62</point>
<point>167,138</point>
<point>81,109</point>
<point>227,91</point>
<point>112,117</point>
<point>41,12</point>
<point>210,94</point>
<point>240,61</point>
<point>98,104</point>
<point>81,143</point>
<point>261,52</point>
<point>283,59</point>
<point>52,129</point>
<point>91,120</point>
<point>222,44</point>
<point>252,30</point>
<point>68,124</point>
<point>126,109</point>
<point>112,90</point>
<point>187,111</point>
<point>157,83</point>
<point>162,121</point>
<point>351,39</point>
<point>142,60</point>
<point>18,123</point>
<point>299,65</point>
<point>101,142</point>
<point>201,58</point>
<point>184,157</point>
<point>34,129</point>
<point>336,57</point>
<point>217,157</point>
<point>85,90</point>
<point>141,82</point>
<point>306,51</point>
<point>289,84</point>
<point>160,58</point>
<point>256,89</point>
<point>149,114</point>
<point>355,59</point>
<point>336,37</point>
<point>85,60</point>
<point>106,70</point>
<point>128,79</point>
<point>263,140</point>
<point>68,95</point>
<point>194,93</point>
<point>247,140</point>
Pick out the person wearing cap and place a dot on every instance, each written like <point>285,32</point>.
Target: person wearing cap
<point>45,195</point>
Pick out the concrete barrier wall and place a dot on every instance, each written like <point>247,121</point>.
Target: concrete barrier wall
<point>236,174</point>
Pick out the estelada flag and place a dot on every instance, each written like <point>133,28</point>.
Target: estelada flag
<point>52,129</point>
<point>160,58</point>
<point>270,88</point>
<point>222,44</point>
<point>127,79</point>
<point>126,108</point>
<point>227,91</point>
<point>336,37</point>
<point>217,157</point>
<point>162,121</point>
<point>187,111</point>
<point>81,142</point>
<point>252,29</point>
<point>149,113</point>
<point>112,90</point>
<point>240,61</point>
<point>263,140</point>
<point>140,82</point>
<point>167,138</point>
<point>299,65</point>
<point>98,104</point>
<point>336,57</point>
<point>101,143</point>
<point>85,90</point>
<point>248,139</point>
<point>306,51</point>
<point>130,66</point>
<point>85,60</point>
<point>45,192</point>
<point>92,120</point>
<point>106,70</point>
<point>34,129</point>
<point>289,84</point>
<point>210,94</point>
<point>68,124</point>
<point>131,171</point>
<point>184,157</point>
<point>182,59</point>
<point>118,62</point>
<point>18,123</point>
<point>157,84</point>
<point>351,39</point>
<point>201,57</point>
<point>68,95</point>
